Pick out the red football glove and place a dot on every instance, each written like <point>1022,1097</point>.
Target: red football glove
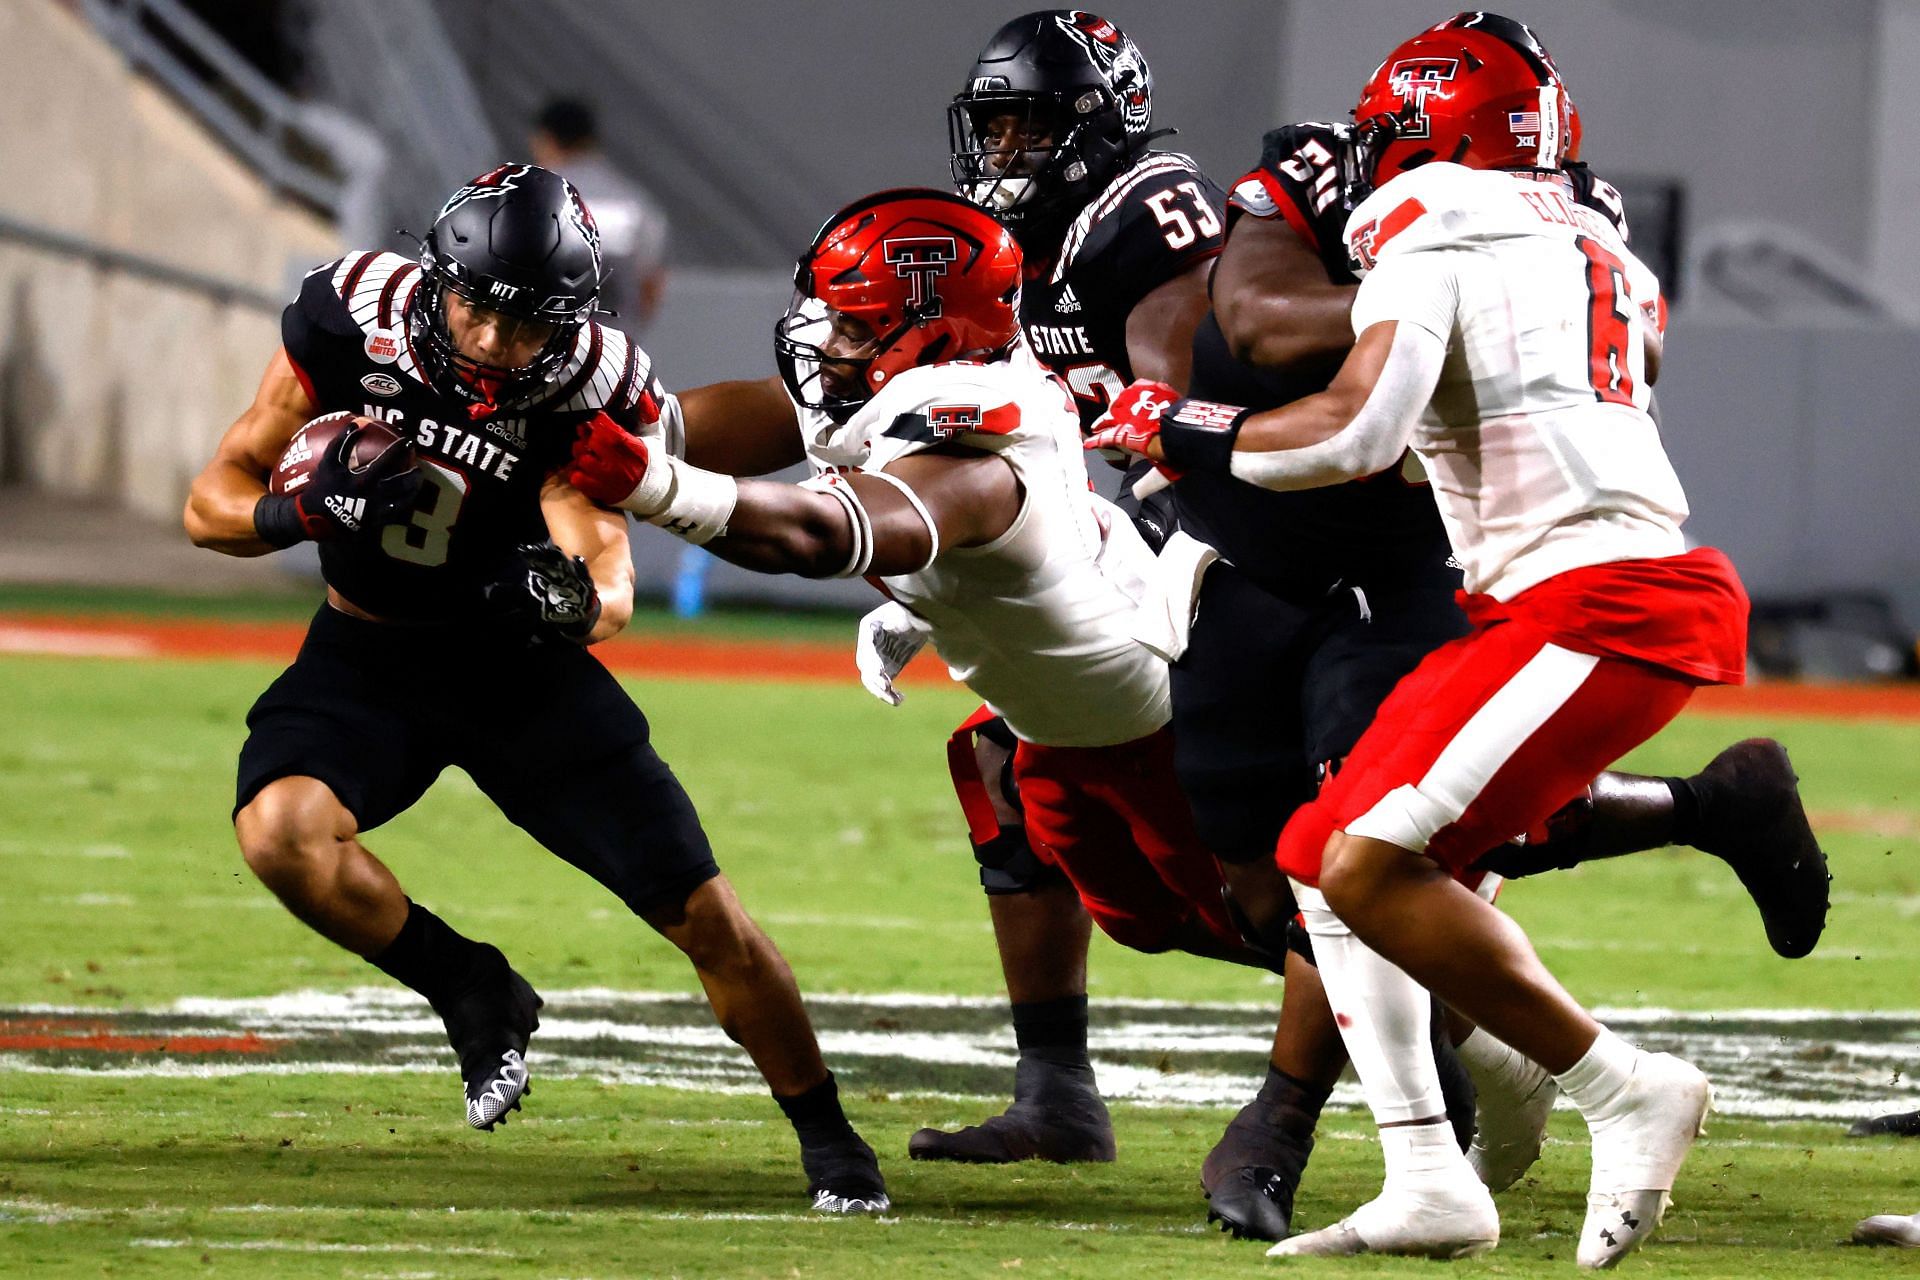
<point>1132,421</point>
<point>616,468</point>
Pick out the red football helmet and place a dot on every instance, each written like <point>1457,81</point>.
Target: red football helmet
<point>1478,89</point>
<point>926,275</point>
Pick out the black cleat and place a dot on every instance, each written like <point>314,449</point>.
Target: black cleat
<point>1252,1173</point>
<point>1751,817</point>
<point>489,1025</point>
<point>1904,1125</point>
<point>1056,1115</point>
<point>843,1176</point>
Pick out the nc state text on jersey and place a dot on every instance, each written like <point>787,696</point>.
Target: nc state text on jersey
<point>455,444</point>
<point>1060,340</point>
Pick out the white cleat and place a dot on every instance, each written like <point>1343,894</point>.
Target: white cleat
<point>1637,1152</point>
<point>1510,1123</point>
<point>828,1202</point>
<point>1450,1222</point>
<point>499,1093</point>
<point>1889,1228</point>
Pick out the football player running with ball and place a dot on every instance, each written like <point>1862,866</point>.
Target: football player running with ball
<point>465,579</point>
<point>1504,334</point>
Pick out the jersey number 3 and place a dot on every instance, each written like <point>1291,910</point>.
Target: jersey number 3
<point>1609,324</point>
<point>1180,229</point>
<point>423,539</point>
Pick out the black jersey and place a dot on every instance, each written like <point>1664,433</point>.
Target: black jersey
<point>1300,545</point>
<point>1153,222</point>
<point>346,335</point>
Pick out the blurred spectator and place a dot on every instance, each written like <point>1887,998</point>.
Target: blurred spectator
<point>633,230</point>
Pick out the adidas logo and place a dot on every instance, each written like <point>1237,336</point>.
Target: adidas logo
<point>350,512</point>
<point>1067,304</point>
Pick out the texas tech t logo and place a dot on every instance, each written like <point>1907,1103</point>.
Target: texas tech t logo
<point>1413,79</point>
<point>918,260</point>
<point>951,419</point>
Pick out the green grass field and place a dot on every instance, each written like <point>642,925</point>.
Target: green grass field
<point>124,892</point>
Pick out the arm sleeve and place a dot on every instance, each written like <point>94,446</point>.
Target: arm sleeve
<point>1378,434</point>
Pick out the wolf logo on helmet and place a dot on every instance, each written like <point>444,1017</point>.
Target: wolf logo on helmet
<point>1120,59</point>
<point>495,182</point>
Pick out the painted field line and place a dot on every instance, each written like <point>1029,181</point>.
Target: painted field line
<point>321,1246</point>
<point>1809,1064</point>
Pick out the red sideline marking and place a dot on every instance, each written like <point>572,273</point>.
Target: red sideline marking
<point>796,660</point>
<point>657,656</point>
<point>98,1037</point>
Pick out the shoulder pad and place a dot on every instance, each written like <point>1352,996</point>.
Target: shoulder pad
<point>1595,192</point>
<point>1151,223</point>
<point>607,371</point>
<point>1424,208</point>
<point>1302,178</point>
<point>374,288</point>
<point>980,406</point>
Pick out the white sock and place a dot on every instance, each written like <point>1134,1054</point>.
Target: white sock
<point>1600,1076</point>
<point>1383,1016</point>
<point>1493,1062</point>
<point>1420,1150</point>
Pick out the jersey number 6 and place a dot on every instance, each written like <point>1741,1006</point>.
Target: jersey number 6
<point>1609,324</point>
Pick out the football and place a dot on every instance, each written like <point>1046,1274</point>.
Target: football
<point>372,440</point>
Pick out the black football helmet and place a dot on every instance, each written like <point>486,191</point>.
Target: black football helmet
<point>1071,77</point>
<point>518,240</point>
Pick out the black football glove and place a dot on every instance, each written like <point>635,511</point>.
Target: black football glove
<point>340,501</point>
<point>544,591</point>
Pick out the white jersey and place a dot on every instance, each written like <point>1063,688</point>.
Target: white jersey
<point>1538,441</point>
<point>1038,622</point>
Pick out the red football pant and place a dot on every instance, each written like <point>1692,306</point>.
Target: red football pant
<point>1114,820</point>
<point>1481,743</point>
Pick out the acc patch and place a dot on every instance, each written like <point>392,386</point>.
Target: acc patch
<point>380,384</point>
<point>383,345</point>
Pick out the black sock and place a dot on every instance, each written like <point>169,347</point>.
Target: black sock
<point>1686,809</point>
<point>816,1115</point>
<point>1296,1103</point>
<point>429,956</point>
<point>1052,1030</point>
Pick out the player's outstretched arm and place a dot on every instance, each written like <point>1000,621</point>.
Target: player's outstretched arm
<point>861,524</point>
<point>581,527</point>
<point>220,505</point>
<point>745,428</point>
<point>842,525</point>
<point>1358,426</point>
<point>1274,302</point>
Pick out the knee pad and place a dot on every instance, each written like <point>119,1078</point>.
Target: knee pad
<point>1008,864</point>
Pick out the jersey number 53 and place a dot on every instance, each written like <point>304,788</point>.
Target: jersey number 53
<point>1181,227</point>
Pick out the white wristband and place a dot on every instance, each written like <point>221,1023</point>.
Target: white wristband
<point>699,503</point>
